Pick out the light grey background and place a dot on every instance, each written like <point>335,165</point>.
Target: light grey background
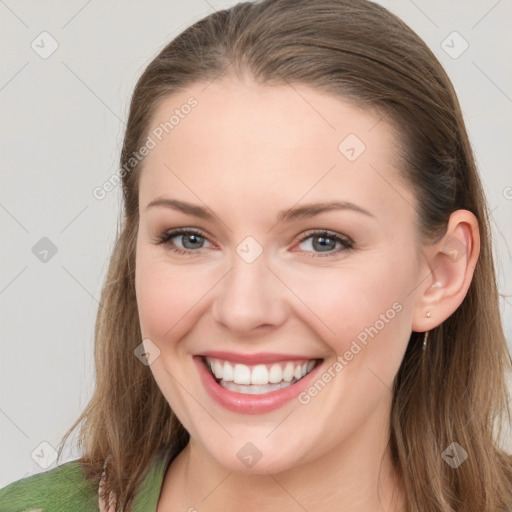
<point>61,127</point>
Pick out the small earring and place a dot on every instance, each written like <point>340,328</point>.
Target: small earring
<point>425,339</point>
<point>428,314</point>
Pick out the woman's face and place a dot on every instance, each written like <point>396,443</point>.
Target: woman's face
<point>263,292</point>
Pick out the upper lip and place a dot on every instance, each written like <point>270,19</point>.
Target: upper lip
<point>252,359</point>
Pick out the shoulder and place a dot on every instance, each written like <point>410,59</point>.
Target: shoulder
<point>62,488</point>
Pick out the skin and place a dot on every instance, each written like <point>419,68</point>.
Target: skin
<point>248,151</point>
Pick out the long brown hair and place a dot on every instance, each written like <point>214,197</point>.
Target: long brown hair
<point>362,53</point>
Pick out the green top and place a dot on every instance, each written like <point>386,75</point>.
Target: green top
<point>65,489</point>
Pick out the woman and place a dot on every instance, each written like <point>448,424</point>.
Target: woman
<point>334,338</point>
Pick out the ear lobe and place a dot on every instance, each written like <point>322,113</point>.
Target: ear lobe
<point>451,263</point>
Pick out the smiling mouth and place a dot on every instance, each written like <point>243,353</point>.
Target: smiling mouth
<point>260,378</point>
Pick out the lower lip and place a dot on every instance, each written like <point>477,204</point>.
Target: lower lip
<point>252,404</point>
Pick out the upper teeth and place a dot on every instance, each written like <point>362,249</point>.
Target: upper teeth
<point>260,373</point>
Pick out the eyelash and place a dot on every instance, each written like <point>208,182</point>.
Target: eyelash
<point>166,237</point>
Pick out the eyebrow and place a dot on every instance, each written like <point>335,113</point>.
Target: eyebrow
<point>300,212</point>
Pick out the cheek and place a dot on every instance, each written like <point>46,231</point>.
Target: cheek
<point>161,294</point>
<point>169,296</point>
<point>361,312</point>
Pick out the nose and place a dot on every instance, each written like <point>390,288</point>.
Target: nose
<point>250,299</point>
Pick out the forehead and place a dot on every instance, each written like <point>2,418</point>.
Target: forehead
<point>252,140</point>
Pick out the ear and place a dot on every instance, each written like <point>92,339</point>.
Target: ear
<point>450,264</point>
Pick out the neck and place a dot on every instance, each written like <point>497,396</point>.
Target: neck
<point>358,475</point>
